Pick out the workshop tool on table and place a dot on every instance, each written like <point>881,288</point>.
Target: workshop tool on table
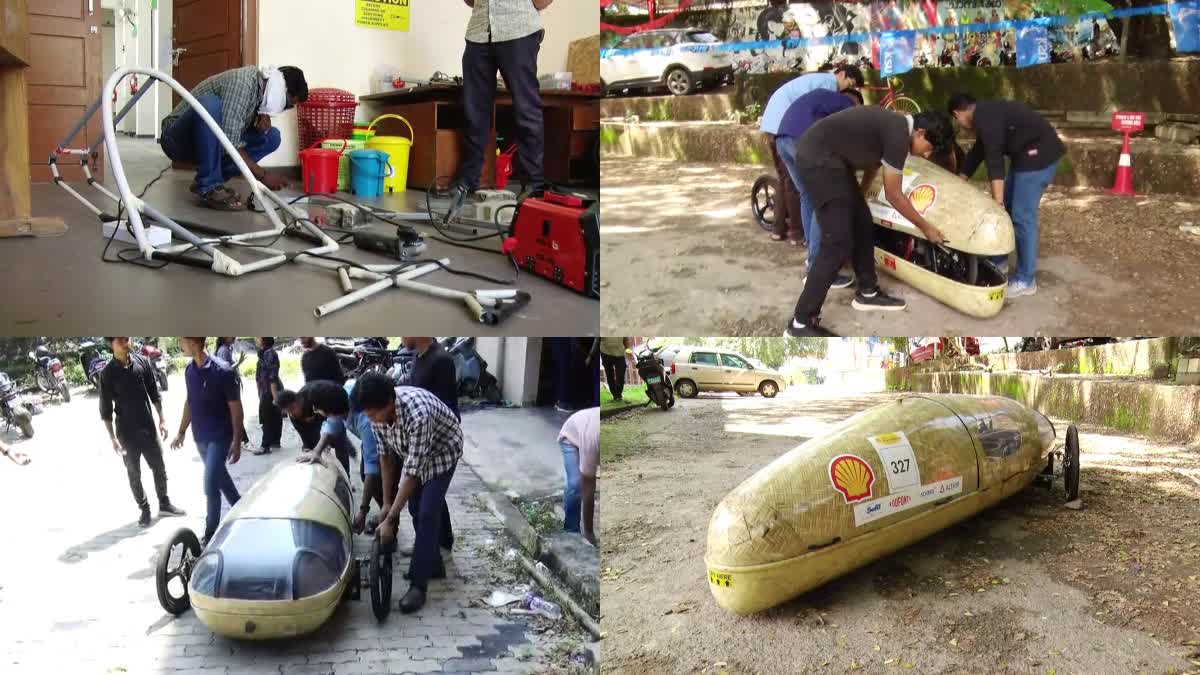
<point>319,167</point>
<point>557,236</point>
<point>368,170</point>
<point>397,148</point>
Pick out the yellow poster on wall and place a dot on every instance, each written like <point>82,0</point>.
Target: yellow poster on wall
<point>389,14</point>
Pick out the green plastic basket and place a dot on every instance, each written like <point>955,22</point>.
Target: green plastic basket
<point>344,162</point>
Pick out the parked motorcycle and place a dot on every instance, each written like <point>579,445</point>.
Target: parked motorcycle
<point>49,374</point>
<point>93,359</point>
<point>14,410</point>
<point>155,356</point>
<point>474,380</point>
<point>359,356</point>
<point>654,373</point>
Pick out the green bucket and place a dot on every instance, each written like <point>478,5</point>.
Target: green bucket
<point>344,163</point>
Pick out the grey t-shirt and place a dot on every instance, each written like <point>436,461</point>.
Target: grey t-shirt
<point>862,137</point>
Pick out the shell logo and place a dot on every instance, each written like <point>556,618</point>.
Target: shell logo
<point>852,477</point>
<point>922,197</point>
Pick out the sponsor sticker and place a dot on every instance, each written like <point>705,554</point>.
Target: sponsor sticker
<point>911,497</point>
<point>852,477</point>
<point>997,294</point>
<point>889,262</point>
<point>899,460</point>
<point>720,579</point>
<point>923,196</point>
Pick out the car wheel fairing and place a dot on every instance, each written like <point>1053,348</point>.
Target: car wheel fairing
<point>173,570</point>
<point>1071,464</point>
<point>379,576</point>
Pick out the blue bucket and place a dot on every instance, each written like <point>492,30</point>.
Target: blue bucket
<point>368,168</point>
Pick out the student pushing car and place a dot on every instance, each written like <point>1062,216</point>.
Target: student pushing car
<point>862,138</point>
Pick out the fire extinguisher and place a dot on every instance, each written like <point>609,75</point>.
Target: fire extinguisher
<point>133,85</point>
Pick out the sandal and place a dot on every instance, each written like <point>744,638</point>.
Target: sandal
<point>776,237</point>
<point>222,198</point>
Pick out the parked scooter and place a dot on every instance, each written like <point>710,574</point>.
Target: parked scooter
<point>14,411</point>
<point>49,373</point>
<point>654,373</point>
<point>155,356</point>
<point>93,359</point>
<point>474,380</point>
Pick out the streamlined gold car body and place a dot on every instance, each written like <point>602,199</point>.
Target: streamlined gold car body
<point>881,480</point>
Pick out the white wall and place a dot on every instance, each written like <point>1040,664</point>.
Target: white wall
<point>286,33</point>
<point>434,42</point>
<point>136,50</point>
<point>515,361</point>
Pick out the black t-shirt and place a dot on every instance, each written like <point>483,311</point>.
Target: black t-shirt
<point>860,138</point>
<point>1014,130</point>
<point>433,371</point>
<point>321,363</point>
<point>128,392</point>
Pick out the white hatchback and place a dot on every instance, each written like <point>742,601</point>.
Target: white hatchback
<point>681,59</point>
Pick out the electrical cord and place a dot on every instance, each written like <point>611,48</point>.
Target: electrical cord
<point>122,255</point>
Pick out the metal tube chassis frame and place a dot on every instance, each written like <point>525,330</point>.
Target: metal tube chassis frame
<point>270,202</point>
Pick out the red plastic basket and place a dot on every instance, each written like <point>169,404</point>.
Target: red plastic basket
<point>328,113</point>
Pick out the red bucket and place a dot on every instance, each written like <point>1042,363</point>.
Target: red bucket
<point>319,168</point>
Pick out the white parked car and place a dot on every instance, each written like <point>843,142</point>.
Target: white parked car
<point>672,58</point>
<point>698,369</point>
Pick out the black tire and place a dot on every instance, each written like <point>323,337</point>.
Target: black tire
<point>24,420</point>
<point>768,388</point>
<point>762,202</point>
<point>664,400</point>
<point>745,393</point>
<point>379,576</point>
<point>1071,464</point>
<point>670,398</point>
<point>679,81</point>
<point>163,575</point>
<point>65,390</point>
<point>686,388</point>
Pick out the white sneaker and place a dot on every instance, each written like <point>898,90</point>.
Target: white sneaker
<point>1018,288</point>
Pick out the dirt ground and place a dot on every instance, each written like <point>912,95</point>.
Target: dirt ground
<point>682,253</point>
<point>1028,586</point>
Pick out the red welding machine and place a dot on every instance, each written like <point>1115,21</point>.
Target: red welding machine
<point>557,236</point>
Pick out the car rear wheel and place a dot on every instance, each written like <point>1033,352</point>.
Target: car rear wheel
<point>768,389</point>
<point>686,388</point>
<point>679,81</point>
<point>171,573</point>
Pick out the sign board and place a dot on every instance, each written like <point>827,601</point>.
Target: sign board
<point>387,14</point>
<point>1128,122</point>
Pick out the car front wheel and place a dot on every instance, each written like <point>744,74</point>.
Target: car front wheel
<point>680,82</point>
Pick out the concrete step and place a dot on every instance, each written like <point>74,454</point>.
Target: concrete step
<point>1159,166</point>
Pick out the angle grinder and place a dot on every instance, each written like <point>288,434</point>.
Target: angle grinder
<point>403,244</point>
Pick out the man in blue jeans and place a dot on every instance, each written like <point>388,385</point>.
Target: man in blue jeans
<point>241,101</point>
<point>1007,129</point>
<point>214,411</point>
<point>802,114</point>
<point>579,439</point>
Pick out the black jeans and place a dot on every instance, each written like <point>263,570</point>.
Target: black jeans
<point>847,232</point>
<point>517,62</point>
<point>431,520</point>
<point>272,422</point>
<point>310,431</point>
<point>614,372</point>
<point>144,444</point>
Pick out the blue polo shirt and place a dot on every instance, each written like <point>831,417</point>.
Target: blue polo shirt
<point>210,388</point>
<point>784,96</point>
<point>360,425</point>
<point>811,107</point>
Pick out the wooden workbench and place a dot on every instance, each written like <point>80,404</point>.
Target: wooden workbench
<point>14,114</point>
<point>572,122</point>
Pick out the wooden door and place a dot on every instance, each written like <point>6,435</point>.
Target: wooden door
<point>63,80</point>
<point>211,32</point>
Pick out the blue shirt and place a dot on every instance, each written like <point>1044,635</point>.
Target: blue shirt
<point>783,97</point>
<point>811,107</point>
<point>360,425</point>
<point>336,427</point>
<point>210,388</point>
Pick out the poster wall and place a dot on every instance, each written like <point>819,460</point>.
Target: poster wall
<point>851,33</point>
